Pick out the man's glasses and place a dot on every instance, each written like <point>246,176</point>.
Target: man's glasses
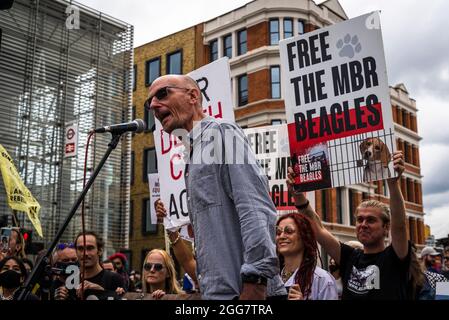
<point>161,94</point>
<point>62,246</point>
<point>287,230</point>
<point>149,266</point>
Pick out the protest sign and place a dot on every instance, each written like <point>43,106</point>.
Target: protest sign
<point>270,146</point>
<point>155,194</point>
<point>337,101</point>
<point>214,81</point>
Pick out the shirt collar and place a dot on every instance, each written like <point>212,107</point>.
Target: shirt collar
<point>199,127</point>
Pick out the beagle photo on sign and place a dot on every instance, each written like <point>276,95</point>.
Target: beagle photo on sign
<point>377,157</point>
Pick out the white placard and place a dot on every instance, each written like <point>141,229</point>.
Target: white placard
<point>270,146</point>
<point>155,194</point>
<point>214,81</point>
<point>336,93</point>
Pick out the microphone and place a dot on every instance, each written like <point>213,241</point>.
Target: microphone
<point>137,126</point>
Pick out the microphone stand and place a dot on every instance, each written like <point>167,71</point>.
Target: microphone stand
<point>38,270</point>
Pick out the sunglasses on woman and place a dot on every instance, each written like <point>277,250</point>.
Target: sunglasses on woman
<point>287,230</point>
<point>161,94</point>
<point>150,266</point>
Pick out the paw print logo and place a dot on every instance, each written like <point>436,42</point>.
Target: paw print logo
<point>284,147</point>
<point>349,46</point>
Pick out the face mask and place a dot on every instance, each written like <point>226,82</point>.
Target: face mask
<point>10,279</point>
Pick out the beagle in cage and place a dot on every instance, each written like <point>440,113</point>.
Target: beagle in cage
<point>377,157</point>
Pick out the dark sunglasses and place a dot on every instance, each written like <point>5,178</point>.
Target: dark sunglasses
<point>287,230</point>
<point>149,266</point>
<point>62,246</point>
<point>161,94</point>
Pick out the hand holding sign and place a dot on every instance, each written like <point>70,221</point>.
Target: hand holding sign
<point>161,212</point>
<point>398,164</point>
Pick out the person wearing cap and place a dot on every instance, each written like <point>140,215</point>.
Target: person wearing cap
<point>432,275</point>
<point>121,267</point>
<point>428,255</point>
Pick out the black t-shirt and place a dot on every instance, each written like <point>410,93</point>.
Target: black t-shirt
<point>377,276</point>
<point>109,280</point>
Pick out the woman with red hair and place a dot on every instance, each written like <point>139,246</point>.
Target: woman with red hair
<point>298,253</point>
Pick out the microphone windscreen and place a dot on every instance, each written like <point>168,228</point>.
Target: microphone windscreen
<point>141,125</point>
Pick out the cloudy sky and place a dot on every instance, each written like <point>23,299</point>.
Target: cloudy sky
<point>416,41</point>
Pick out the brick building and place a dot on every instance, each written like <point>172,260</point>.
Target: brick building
<point>249,36</point>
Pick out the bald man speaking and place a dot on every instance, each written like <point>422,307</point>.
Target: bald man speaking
<point>231,211</point>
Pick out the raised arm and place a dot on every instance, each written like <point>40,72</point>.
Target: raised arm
<point>323,236</point>
<point>182,252</point>
<point>397,208</point>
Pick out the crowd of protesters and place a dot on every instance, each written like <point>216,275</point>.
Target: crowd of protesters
<point>301,268</point>
<point>350,270</point>
<point>243,249</point>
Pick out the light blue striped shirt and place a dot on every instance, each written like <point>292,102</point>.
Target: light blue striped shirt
<point>232,214</point>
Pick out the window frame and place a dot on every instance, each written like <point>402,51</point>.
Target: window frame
<point>239,43</point>
<point>271,82</point>
<point>214,41</point>
<point>224,45</point>
<point>292,31</point>
<point>270,32</point>
<point>168,55</point>
<point>352,218</point>
<point>147,69</point>
<point>145,162</point>
<point>339,205</point>
<point>300,21</point>
<point>239,91</point>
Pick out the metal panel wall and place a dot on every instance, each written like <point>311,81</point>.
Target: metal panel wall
<point>51,74</point>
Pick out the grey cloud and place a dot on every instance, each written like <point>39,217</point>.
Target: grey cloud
<point>416,41</point>
<point>434,163</point>
<point>436,200</point>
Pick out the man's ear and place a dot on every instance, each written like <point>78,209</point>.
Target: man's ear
<point>195,95</point>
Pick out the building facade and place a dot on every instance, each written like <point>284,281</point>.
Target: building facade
<point>249,36</point>
<point>59,62</point>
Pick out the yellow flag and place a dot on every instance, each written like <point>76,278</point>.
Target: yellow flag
<point>19,197</point>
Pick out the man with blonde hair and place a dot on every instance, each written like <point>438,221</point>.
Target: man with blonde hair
<point>376,271</point>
